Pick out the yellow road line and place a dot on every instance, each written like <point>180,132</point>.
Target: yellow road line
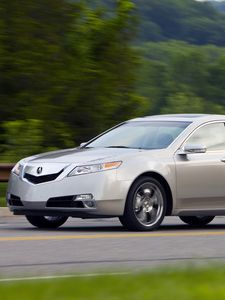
<point>111,236</point>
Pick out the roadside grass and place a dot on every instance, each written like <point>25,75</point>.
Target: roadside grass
<point>3,187</point>
<point>191,283</point>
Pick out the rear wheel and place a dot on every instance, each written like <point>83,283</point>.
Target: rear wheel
<point>197,220</point>
<point>46,221</point>
<point>145,206</point>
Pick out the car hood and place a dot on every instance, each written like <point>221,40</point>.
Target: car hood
<point>81,155</point>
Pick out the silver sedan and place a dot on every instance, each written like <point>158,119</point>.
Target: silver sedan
<point>140,171</point>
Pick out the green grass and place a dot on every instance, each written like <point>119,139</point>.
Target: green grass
<point>3,187</point>
<point>157,285</point>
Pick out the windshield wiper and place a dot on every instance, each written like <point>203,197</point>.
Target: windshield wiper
<point>84,147</point>
<point>125,147</point>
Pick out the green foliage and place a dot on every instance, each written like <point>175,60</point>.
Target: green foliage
<point>192,21</point>
<point>107,73</point>
<point>185,103</point>
<point>23,138</point>
<point>219,5</point>
<point>3,187</point>
<point>180,78</point>
<point>68,69</point>
<point>188,20</point>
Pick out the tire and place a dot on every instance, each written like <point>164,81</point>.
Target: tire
<point>145,206</point>
<point>197,220</point>
<point>46,222</point>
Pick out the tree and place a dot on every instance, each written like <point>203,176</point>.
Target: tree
<point>70,67</point>
<point>177,78</point>
<point>183,103</point>
<point>107,71</point>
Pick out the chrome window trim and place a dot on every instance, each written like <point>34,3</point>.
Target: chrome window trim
<point>199,127</point>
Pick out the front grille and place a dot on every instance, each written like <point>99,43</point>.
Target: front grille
<point>41,179</point>
<point>14,200</point>
<point>65,201</point>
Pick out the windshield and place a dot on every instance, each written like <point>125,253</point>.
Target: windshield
<point>140,135</point>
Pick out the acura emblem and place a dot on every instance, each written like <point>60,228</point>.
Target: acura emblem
<point>39,170</point>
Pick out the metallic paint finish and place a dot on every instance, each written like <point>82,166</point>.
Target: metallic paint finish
<point>197,181</point>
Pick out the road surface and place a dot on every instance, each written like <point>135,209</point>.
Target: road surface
<point>90,246</point>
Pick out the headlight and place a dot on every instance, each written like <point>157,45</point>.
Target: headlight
<point>95,168</point>
<point>17,169</point>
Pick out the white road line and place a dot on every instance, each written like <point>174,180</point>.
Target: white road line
<point>62,276</point>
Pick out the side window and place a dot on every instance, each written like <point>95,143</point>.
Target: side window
<point>212,136</point>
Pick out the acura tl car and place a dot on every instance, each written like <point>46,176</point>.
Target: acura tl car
<point>140,171</point>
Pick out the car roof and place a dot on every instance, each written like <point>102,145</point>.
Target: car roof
<point>182,118</point>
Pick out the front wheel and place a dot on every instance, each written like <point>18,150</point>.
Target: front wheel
<point>46,221</point>
<point>197,220</point>
<point>145,207</point>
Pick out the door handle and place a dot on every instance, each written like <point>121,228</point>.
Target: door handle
<point>223,160</point>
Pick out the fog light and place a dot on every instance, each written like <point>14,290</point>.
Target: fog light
<point>89,204</point>
<point>84,197</point>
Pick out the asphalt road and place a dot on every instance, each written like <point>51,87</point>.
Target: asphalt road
<point>88,246</point>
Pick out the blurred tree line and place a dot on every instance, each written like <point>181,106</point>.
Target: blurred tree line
<point>192,21</point>
<point>177,77</point>
<point>219,5</point>
<point>67,73</point>
<point>69,69</point>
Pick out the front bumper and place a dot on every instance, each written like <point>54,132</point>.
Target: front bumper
<point>109,195</point>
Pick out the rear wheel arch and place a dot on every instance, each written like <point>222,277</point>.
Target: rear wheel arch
<point>164,183</point>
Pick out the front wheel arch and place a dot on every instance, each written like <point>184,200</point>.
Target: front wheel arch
<point>146,204</point>
<point>164,183</point>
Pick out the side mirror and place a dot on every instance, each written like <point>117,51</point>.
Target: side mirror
<point>192,148</point>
